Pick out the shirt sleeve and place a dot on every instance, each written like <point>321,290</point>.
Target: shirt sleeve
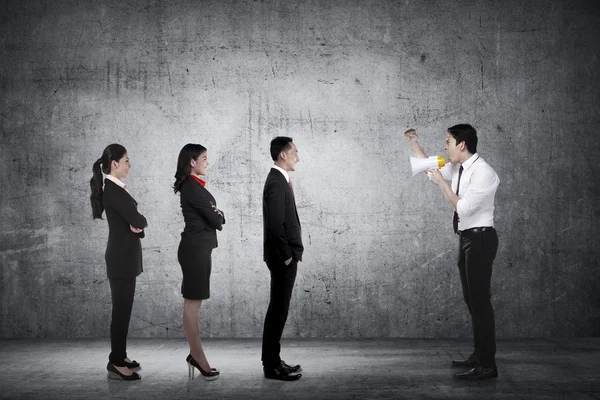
<point>447,171</point>
<point>483,183</point>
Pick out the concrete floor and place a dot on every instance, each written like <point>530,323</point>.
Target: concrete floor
<point>333,369</point>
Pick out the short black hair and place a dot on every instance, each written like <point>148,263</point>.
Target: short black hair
<point>465,133</point>
<point>279,144</point>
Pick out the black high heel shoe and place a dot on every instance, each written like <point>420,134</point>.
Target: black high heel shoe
<point>114,373</point>
<point>133,364</point>
<point>208,375</point>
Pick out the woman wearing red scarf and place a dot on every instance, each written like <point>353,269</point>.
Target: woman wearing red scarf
<point>198,239</point>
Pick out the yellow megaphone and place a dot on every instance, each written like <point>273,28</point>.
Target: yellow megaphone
<point>423,164</point>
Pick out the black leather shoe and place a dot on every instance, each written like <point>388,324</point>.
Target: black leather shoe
<point>478,373</point>
<point>280,373</point>
<point>469,363</point>
<point>114,373</point>
<point>291,368</point>
<point>208,375</point>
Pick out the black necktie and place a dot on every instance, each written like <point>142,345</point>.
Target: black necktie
<point>455,221</point>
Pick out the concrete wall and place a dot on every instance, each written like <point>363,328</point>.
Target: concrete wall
<point>344,79</point>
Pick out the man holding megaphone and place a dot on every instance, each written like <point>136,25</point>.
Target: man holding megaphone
<point>471,196</point>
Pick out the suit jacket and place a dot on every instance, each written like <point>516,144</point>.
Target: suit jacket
<point>124,249</point>
<point>282,230</point>
<point>201,220</point>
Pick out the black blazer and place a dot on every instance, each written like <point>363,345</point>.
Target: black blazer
<point>201,220</point>
<point>124,249</point>
<point>282,230</point>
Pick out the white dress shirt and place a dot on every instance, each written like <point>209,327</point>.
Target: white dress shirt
<point>478,184</point>
<point>118,182</point>
<point>283,171</point>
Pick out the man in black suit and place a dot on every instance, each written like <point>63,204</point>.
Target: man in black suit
<point>282,252</point>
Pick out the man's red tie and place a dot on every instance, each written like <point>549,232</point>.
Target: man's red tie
<point>292,187</point>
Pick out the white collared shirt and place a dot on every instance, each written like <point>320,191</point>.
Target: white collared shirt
<point>117,181</point>
<point>478,184</point>
<point>283,171</point>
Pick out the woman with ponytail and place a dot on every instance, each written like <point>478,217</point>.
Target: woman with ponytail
<point>123,252</point>
<point>198,239</point>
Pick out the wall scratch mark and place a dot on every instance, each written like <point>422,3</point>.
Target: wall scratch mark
<point>50,98</point>
<point>481,74</point>
<point>78,42</point>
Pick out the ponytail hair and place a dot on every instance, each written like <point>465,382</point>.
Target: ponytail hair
<point>96,185</point>
<point>112,152</point>
<point>188,153</point>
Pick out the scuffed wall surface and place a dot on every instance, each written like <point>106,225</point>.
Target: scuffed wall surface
<point>344,79</point>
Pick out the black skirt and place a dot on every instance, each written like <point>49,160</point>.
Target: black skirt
<point>196,266</point>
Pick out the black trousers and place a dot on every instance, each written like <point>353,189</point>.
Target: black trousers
<point>477,251</point>
<point>122,292</point>
<point>282,283</point>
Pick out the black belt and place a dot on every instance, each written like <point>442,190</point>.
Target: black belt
<point>478,229</point>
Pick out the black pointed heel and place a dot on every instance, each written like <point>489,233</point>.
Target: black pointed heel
<point>208,375</point>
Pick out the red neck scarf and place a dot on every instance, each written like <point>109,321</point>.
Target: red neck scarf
<point>200,181</point>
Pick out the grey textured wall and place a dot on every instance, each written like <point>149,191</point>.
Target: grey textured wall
<point>344,79</point>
